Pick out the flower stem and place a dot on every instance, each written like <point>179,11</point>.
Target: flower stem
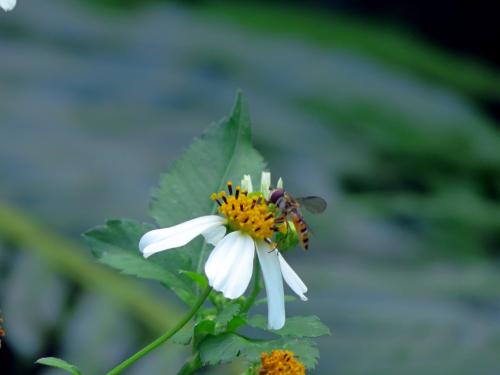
<point>255,290</point>
<point>160,340</point>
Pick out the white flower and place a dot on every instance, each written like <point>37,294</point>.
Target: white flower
<point>229,266</point>
<point>7,4</point>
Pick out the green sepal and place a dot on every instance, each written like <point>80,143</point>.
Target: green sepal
<point>288,240</point>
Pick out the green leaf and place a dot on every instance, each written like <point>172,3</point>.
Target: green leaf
<point>236,323</point>
<point>297,326</point>
<point>116,245</point>
<point>198,278</point>
<point>224,152</point>
<point>227,313</point>
<point>228,346</point>
<point>228,320</point>
<point>222,348</point>
<point>184,336</point>
<point>59,363</point>
<point>204,327</point>
<point>209,326</point>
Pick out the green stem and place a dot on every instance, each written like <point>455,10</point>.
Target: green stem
<point>255,291</point>
<point>160,340</point>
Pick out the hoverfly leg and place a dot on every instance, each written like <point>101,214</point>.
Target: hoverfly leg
<point>273,245</point>
<point>280,219</point>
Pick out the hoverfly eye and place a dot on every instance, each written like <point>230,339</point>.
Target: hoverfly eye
<point>275,195</point>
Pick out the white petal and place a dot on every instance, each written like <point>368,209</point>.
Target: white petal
<point>292,279</point>
<point>229,267</point>
<point>246,183</point>
<point>7,4</point>
<point>271,271</point>
<point>279,185</point>
<point>265,183</point>
<point>214,235</point>
<point>178,235</point>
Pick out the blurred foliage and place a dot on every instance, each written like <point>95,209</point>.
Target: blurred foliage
<point>390,44</point>
<point>441,179</point>
<point>70,260</point>
<point>43,311</point>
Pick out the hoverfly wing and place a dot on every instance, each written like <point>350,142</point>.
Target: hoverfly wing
<point>315,205</point>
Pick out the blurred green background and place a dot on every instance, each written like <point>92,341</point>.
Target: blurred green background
<point>398,132</point>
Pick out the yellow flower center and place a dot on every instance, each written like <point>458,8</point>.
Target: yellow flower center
<point>280,362</point>
<point>245,212</point>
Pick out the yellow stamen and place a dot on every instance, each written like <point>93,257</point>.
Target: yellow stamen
<point>280,362</point>
<point>250,214</point>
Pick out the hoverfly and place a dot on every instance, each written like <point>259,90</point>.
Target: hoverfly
<point>290,208</point>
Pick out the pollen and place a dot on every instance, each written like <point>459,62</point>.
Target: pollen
<point>280,362</point>
<point>245,212</point>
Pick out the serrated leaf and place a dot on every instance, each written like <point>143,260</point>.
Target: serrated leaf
<point>221,349</point>
<point>59,363</point>
<point>228,346</point>
<point>224,152</point>
<point>116,245</point>
<point>227,313</point>
<point>228,320</point>
<point>297,326</point>
<point>209,326</point>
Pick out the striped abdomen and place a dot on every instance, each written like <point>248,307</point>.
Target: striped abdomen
<point>301,228</point>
